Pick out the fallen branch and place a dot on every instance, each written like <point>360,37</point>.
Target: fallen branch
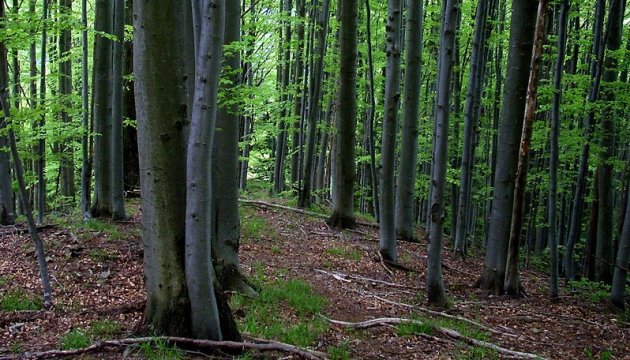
<point>348,278</point>
<point>260,345</point>
<point>444,331</point>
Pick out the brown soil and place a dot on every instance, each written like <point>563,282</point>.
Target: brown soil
<point>96,277</point>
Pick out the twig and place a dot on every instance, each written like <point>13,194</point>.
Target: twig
<point>444,331</point>
<point>260,345</point>
<point>347,278</point>
<point>380,256</point>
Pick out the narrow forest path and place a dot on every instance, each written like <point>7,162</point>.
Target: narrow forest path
<point>97,278</point>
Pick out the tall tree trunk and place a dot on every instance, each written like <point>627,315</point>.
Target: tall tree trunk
<point>618,289</point>
<point>65,91</point>
<point>225,215</point>
<point>115,144</point>
<point>604,251</point>
<point>393,52</point>
<point>554,161</point>
<point>575,224</point>
<point>298,79</point>
<point>471,119</point>
<point>314,105</point>
<point>162,47</point>
<point>372,112</point>
<point>41,143</point>
<point>345,122</point>
<point>521,39</point>
<point>85,144</point>
<point>436,294</point>
<point>512,272</point>
<point>103,93</point>
<point>406,183</point>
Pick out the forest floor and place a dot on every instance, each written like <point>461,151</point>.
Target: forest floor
<point>307,274</point>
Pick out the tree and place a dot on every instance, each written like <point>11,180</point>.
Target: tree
<point>512,275</point>
<point>436,294</point>
<point>225,214</point>
<point>406,181</point>
<point>519,57</point>
<point>554,147</point>
<point>65,91</point>
<point>85,144</point>
<point>345,123</point>
<point>617,295</point>
<point>41,143</point>
<point>390,127</point>
<point>108,190</point>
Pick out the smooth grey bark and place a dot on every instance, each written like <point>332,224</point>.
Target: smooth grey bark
<point>162,48</point>
<point>102,109</point>
<point>512,272</point>
<point>248,121</point>
<point>298,102</point>
<point>604,251</point>
<point>115,143</point>
<point>7,216</point>
<point>554,158</point>
<point>345,122</point>
<point>225,215</point>
<point>371,112</point>
<point>200,274</point>
<point>393,51</point>
<point>519,57</point>
<point>575,223</point>
<point>85,145</point>
<point>471,120</point>
<point>407,169</point>
<point>18,167</point>
<point>436,293</point>
<point>314,104</point>
<point>281,140</point>
<point>617,295</point>
<point>41,143</point>
<point>65,90</point>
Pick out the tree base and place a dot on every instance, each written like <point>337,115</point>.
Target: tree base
<point>342,221</point>
<point>492,282</point>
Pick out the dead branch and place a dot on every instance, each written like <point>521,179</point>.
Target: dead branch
<point>348,278</point>
<point>444,331</point>
<point>259,344</point>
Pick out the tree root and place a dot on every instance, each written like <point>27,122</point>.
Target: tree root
<point>253,344</point>
<point>444,331</point>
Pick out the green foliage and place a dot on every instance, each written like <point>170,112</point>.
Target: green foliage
<point>160,350</point>
<point>253,227</point>
<point>591,291</point>
<point>478,353</point>
<point>19,301</point>
<point>348,254</point>
<point>104,329</point>
<point>15,347</point>
<point>339,352</point>
<point>75,339</point>
<point>591,353</point>
<point>273,313</point>
<point>413,328</point>
<point>5,279</point>
<point>100,255</point>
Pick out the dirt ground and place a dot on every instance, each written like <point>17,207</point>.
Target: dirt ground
<point>97,275</point>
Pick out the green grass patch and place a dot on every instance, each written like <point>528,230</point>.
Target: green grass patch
<point>347,254</point>
<point>75,339</point>
<point>477,353</point>
<point>160,350</point>
<point>112,231</point>
<point>414,328</point>
<point>5,280</point>
<point>19,301</point>
<point>590,290</point>
<point>339,352</point>
<point>15,347</point>
<point>284,311</point>
<point>100,255</point>
<point>253,227</point>
<point>104,329</point>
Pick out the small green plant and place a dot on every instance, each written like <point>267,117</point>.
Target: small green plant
<point>15,348</point>
<point>276,250</point>
<point>5,279</point>
<point>590,290</point>
<point>19,301</point>
<point>478,353</point>
<point>75,339</point>
<point>339,352</point>
<point>160,350</point>
<point>413,328</point>
<point>273,313</point>
<point>344,253</point>
<point>111,231</point>
<point>100,255</point>
<point>104,329</point>
<point>253,227</point>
